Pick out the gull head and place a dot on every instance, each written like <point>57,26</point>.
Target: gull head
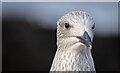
<point>75,28</point>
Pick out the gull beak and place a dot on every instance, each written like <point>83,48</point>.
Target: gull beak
<point>85,39</point>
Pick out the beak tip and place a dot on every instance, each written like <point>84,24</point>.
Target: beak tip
<point>90,46</point>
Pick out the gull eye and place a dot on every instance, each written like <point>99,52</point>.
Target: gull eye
<point>93,27</point>
<point>67,25</point>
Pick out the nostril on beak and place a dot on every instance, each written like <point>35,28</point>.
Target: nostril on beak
<point>85,37</point>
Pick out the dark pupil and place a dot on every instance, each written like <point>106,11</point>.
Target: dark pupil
<point>67,25</point>
<point>93,27</point>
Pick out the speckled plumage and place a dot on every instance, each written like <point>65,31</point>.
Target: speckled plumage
<point>72,55</point>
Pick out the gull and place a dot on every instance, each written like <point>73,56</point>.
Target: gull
<point>75,32</point>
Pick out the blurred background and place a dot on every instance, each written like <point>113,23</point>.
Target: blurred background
<point>29,34</point>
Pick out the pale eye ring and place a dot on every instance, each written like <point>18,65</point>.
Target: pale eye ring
<point>67,25</point>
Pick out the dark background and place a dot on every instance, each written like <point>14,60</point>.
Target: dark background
<point>28,47</point>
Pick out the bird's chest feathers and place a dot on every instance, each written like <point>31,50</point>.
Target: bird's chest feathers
<point>68,61</point>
